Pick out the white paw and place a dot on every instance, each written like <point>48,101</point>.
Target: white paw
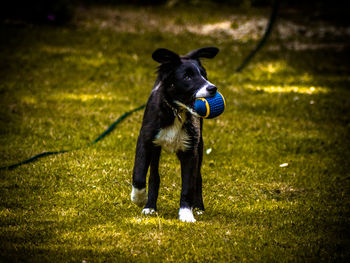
<point>186,215</point>
<point>148,211</point>
<point>139,196</point>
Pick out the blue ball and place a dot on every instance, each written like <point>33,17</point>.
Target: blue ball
<point>210,107</point>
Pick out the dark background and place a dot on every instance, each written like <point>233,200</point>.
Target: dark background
<point>61,11</point>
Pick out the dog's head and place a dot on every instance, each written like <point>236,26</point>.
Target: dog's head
<point>183,77</point>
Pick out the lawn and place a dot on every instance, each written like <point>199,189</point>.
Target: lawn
<point>61,87</point>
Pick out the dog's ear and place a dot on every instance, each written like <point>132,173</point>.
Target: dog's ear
<point>163,55</point>
<point>205,52</point>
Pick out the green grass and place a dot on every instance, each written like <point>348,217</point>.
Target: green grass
<point>62,86</point>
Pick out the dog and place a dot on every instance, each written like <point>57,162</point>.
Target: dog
<point>170,123</point>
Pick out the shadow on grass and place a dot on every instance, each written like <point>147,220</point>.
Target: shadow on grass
<point>61,254</point>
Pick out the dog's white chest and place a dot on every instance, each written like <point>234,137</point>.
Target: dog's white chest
<point>173,138</point>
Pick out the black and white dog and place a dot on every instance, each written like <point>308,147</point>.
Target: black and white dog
<point>169,122</point>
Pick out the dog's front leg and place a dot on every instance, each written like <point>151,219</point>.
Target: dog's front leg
<point>142,162</point>
<point>189,170</point>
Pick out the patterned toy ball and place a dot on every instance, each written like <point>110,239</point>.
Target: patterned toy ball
<point>210,107</point>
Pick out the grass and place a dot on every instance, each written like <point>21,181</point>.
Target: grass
<point>62,86</point>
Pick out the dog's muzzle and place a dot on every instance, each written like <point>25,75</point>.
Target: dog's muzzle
<point>207,90</point>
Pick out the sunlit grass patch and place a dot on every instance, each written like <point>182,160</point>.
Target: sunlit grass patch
<point>83,97</point>
<point>272,67</point>
<point>58,49</point>
<point>302,89</point>
<point>154,221</point>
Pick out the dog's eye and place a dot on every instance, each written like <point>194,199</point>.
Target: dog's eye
<point>187,77</point>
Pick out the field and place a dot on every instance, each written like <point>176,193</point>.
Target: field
<point>276,164</point>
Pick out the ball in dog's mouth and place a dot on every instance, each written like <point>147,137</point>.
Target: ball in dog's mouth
<point>210,107</point>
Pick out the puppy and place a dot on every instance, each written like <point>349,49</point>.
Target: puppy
<point>170,123</point>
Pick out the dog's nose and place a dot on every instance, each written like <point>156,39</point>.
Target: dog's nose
<point>212,89</point>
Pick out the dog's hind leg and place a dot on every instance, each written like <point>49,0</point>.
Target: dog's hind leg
<point>153,183</point>
<point>142,162</point>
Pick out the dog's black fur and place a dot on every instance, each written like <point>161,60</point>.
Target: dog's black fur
<point>170,122</point>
